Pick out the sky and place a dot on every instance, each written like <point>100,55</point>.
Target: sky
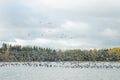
<point>60,24</point>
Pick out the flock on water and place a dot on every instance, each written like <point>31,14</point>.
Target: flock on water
<point>81,65</point>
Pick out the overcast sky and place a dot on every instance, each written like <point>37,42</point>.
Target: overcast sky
<point>61,24</point>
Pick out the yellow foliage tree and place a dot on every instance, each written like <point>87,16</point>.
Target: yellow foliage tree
<point>115,51</point>
<point>7,52</point>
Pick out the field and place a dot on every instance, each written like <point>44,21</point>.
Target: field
<point>59,71</point>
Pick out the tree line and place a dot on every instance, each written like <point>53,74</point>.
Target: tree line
<point>18,53</point>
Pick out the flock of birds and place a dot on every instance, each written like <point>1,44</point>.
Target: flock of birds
<point>61,35</point>
<point>61,64</point>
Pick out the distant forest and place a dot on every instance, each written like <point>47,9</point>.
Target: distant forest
<point>18,53</point>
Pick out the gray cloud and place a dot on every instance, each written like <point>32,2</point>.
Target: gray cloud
<point>60,24</point>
